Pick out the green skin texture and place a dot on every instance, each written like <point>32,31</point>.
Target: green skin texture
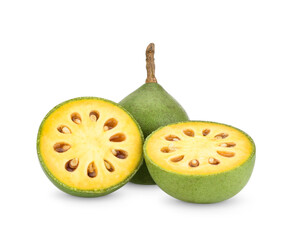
<point>152,107</point>
<point>69,189</point>
<point>202,188</point>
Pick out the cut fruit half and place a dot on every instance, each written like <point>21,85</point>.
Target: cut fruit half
<point>203,161</point>
<point>89,146</point>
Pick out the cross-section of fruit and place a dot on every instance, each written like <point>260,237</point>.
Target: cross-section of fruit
<point>202,162</point>
<point>89,146</point>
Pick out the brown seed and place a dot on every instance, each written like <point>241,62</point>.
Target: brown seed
<point>76,118</point>
<point>121,154</point>
<point>165,150</point>
<point>92,174</point>
<point>194,163</point>
<point>93,117</point>
<point>214,161</point>
<point>205,132</point>
<point>168,149</point>
<point>226,154</point>
<point>228,144</point>
<point>110,123</point>
<point>106,128</point>
<point>177,159</point>
<point>189,132</point>
<point>108,166</point>
<point>172,138</point>
<point>91,170</point>
<point>73,163</point>
<point>61,147</point>
<point>114,152</point>
<point>119,137</point>
<point>66,130</point>
<point>221,135</point>
<point>66,147</point>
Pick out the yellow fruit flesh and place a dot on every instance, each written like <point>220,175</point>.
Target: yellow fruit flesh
<point>90,143</point>
<point>199,151</point>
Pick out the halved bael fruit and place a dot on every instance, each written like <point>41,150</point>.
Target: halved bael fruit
<point>201,162</point>
<point>89,146</point>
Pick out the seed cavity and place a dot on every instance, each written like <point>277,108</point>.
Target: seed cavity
<point>64,129</point>
<point>194,163</point>
<point>94,116</point>
<point>121,154</point>
<point>92,170</point>
<point>213,161</point>
<point>119,137</point>
<point>61,147</point>
<point>228,144</point>
<point>76,118</point>
<point>109,166</point>
<point>221,135</point>
<point>226,154</point>
<point>72,164</point>
<point>206,132</point>
<point>189,132</point>
<point>172,138</point>
<point>109,124</point>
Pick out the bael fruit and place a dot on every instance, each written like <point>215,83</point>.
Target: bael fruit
<point>200,162</point>
<point>89,146</point>
<point>152,107</point>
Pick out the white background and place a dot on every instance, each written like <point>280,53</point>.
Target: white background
<point>226,61</point>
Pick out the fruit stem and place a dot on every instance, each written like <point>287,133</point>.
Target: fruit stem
<point>150,66</point>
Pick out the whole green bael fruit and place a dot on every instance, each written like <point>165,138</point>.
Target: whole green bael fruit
<point>152,107</point>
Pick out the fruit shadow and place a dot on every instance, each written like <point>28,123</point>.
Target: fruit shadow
<point>232,202</point>
<point>140,186</point>
<point>120,193</point>
<point>64,196</point>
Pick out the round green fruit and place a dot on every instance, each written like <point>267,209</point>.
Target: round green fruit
<point>89,146</point>
<point>152,107</point>
<point>200,162</point>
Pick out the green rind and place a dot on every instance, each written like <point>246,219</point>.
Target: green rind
<point>142,176</point>
<point>210,188</point>
<point>152,107</point>
<point>75,191</point>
